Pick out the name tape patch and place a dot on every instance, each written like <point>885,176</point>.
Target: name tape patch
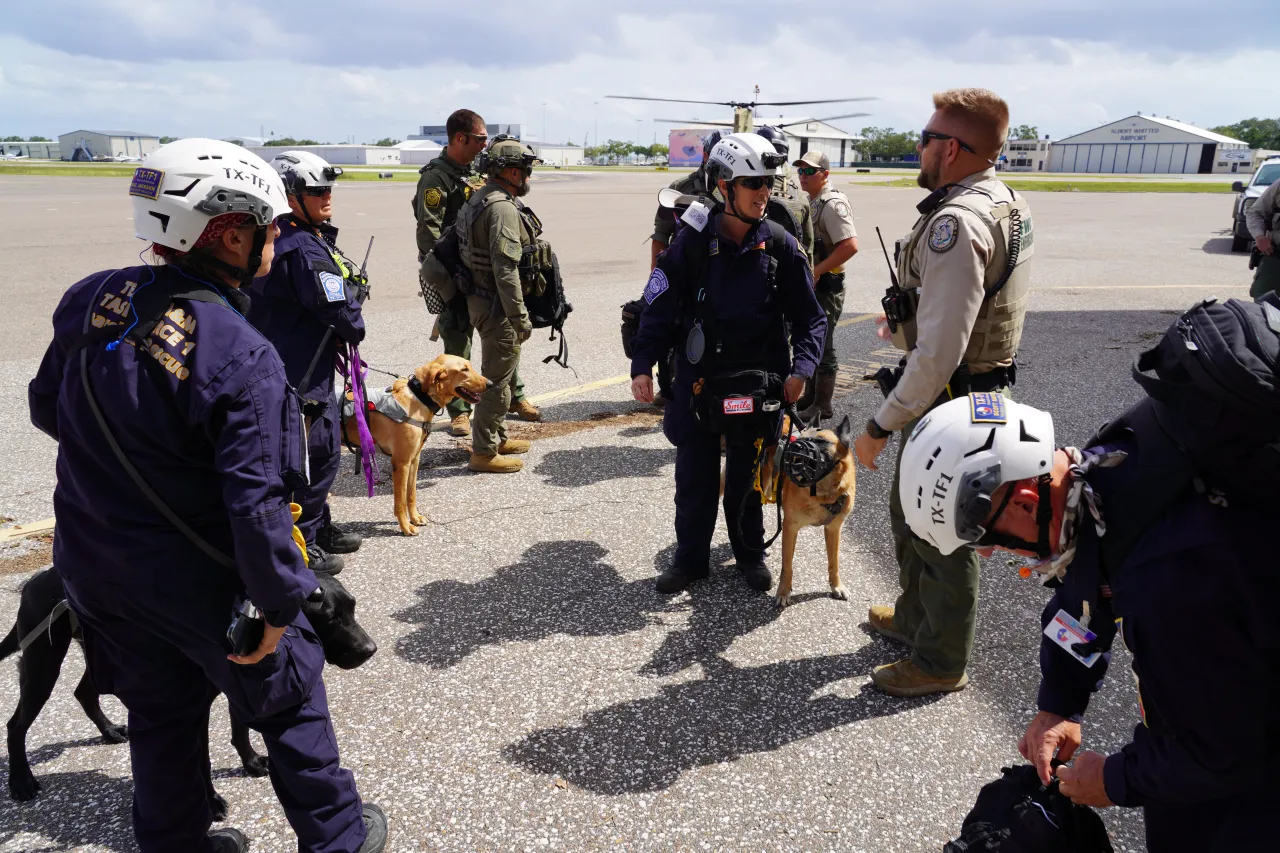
<point>739,405</point>
<point>987,408</point>
<point>146,183</point>
<point>657,286</point>
<point>331,284</point>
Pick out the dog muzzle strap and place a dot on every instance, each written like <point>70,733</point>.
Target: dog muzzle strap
<point>806,461</point>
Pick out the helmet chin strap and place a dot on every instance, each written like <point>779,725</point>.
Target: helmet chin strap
<point>302,205</point>
<point>1044,517</point>
<point>249,271</point>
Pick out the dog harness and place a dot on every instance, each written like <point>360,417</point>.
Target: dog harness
<point>46,624</point>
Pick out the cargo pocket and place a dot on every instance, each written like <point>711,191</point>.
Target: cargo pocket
<point>284,679</point>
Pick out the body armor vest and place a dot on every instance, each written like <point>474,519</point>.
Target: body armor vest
<point>997,331</point>
<point>474,252</point>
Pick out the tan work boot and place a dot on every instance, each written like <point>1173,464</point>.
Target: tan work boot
<point>881,618</point>
<point>494,464</point>
<point>460,425</point>
<point>525,410</point>
<point>514,445</point>
<point>906,679</point>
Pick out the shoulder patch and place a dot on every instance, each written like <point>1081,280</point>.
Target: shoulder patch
<point>841,209</point>
<point>657,285</point>
<point>331,287</point>
<point>432,197</point>
<point>942,233</point>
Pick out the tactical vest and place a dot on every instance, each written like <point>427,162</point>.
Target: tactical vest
<point>997,331</point>
<point>816,208</point>
<point>475,255</point>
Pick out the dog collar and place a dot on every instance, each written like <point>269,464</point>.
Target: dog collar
<point>416,389</point>
<point>836,506</point>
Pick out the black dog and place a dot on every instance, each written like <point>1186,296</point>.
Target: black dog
<point>331,611</point>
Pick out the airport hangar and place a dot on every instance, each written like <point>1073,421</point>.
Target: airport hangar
<point>1152,145</point>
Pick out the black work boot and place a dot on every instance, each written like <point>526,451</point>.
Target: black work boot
<point>335,540</point>
<point>375,827</point>
<point>322,562</point>
<point>824,385</point>
<point>676,578</point>
<point>757,576</point>
<point>228,841</point>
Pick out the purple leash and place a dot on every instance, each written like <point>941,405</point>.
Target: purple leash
<point>352,369</point>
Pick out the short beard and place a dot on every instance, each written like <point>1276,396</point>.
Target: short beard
<point>928,179</point>
<point>522,189</point>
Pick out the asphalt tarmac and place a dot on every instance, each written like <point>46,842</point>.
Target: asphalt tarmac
<point>532,691</point>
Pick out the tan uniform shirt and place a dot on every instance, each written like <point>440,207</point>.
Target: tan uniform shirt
<point>1260,217</point>
<point>832,223</point>
<point>950,259</point>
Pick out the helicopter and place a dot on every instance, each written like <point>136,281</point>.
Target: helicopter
<point>744,111</point>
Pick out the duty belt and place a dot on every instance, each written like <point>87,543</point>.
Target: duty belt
<point>964,383</point>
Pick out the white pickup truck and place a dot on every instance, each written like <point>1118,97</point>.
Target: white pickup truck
<point>1267,174</point>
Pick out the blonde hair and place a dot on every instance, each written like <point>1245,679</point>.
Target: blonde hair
<point>982,112</point>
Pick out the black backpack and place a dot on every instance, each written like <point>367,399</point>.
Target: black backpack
<point>548,310</point>
<point>1016,814</point>
<point>1210,420</point>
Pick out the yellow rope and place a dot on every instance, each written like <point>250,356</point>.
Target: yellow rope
<point>771,495</point>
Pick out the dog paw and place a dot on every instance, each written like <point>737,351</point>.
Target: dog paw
<point>115,734</point>
<point>409,530</point>
<point>256,766</point>
<point>218,805</point>
<point>418,519</point>
<point>23,787</point>
<point>782,600</point>
<point>840,593</point>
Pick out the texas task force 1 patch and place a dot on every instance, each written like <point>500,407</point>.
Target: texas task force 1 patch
<point>942,234</point>
<point>146,183</point>
<point>987,408</point>
<point>432,197</point>
<point>657,286</point>
<point>331,285</point>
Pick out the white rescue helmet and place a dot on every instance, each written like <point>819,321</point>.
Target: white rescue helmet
<point>301,170</point>
<point>181,186</point>
<point>742,155</point>
<point>959,454</point>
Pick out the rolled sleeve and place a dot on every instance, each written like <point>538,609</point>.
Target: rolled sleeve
<point>951,294</point>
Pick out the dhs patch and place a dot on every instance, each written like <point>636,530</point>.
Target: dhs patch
<point>331,286</point>
<point>739,405</point>
<point>657,286</point>
<point>146,183</point>
<point>987,408</point>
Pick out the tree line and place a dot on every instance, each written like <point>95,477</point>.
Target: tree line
<point>616,149</point>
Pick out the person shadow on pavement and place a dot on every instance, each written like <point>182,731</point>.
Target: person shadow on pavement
<point>75,809</point>
<point>587,466</point>
<point>558,587</point>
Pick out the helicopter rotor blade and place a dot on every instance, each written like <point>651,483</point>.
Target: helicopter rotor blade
<point>827,101</point>
<point>670,100</point>
<point>694,121</point>
<point>828,118</point>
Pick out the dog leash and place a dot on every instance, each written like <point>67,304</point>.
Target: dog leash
<point>46,624</point>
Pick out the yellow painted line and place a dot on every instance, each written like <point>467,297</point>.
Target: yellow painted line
<point>21,531</point>
<point>849,321</point>
<point>579,389</point>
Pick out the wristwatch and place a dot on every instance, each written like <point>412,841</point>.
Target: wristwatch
<point>876,431</point>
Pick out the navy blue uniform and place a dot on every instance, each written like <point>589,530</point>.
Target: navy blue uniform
<point>1196,599</point>
<point>202,409</point>
<point>746,308</point>
<point>305,293</point>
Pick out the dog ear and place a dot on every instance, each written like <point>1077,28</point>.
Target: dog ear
<point>843,432</point>
<point>431,374</point>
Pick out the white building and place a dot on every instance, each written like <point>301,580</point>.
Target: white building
<point>437,133</point>
<point>804,135</point>
<point>1150,145</point>
<point>338,155</point>
<point>106,144</point>
<point>559,155</point>
<point>1025,155</point>
<point>34,150</point>
<point>418,152</point>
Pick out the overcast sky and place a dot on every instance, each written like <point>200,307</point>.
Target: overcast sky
<point>336,70</point>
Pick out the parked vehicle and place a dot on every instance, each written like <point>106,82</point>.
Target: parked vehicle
<point>1267,174</point>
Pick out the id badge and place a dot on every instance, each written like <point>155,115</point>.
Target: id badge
<point>696,344</point>
<point>1065,630</point>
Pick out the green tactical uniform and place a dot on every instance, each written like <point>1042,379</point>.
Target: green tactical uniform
<point>953,258</point>
<point>787,193</point>
<point>493,232</point>
<point>1264,218</point>
<point>442,190</point>
<point>833,223</point>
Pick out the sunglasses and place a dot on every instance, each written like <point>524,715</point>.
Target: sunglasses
<point>927,135</point>
<point>754,182</point>
<point>482,138</point>
<point>317,192</point>
<point>809,171</point>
